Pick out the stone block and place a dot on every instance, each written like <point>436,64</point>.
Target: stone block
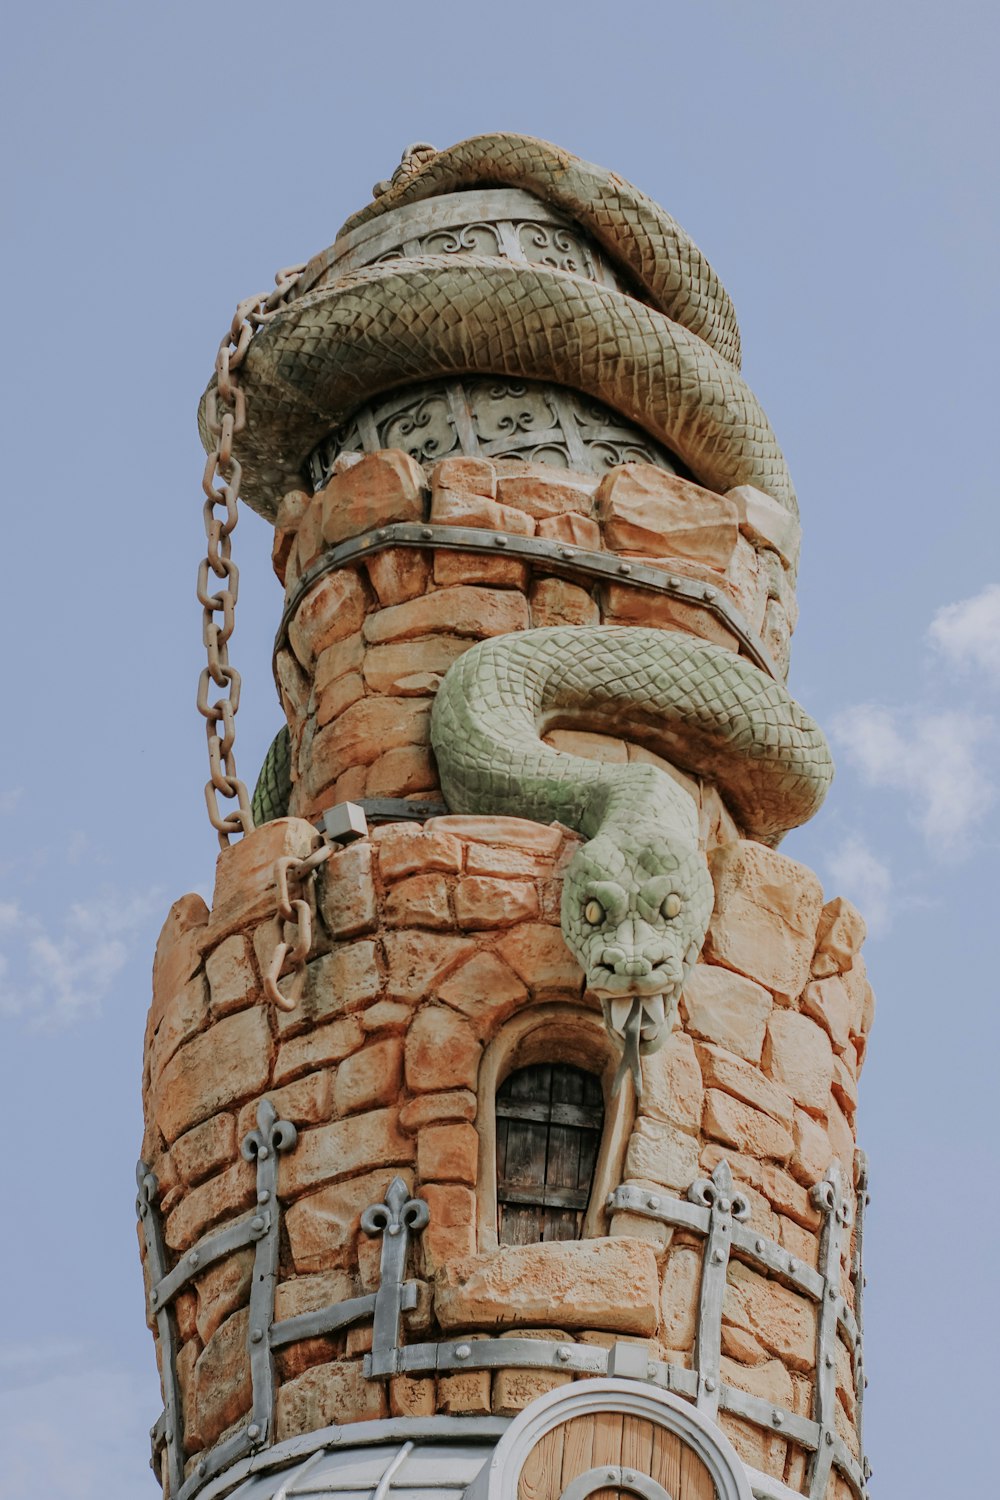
<point>302,1294</point>
<point>442,1051</point>
<point>224,1065</point>
<point>595,1284</point>
<point>343,656</point>
<point>221,1290</point>
<point>788,1197</point>
<point>398,574</point>
<point>515,1389</point>
<point>419,901</point>
<point>411,668</point>
<point>844,1088</point>
<point>404,850</point>
<point>232,981</point>
<point>432,1109</point>
<point>766,910</point>
<point>448,1153</point>
<point>342,1149</point>
<point>451,1234</point>
<point>517,833</point>
<point>781,1320</point>
<point>369,1078</point>
<point>206,1149</point>
<point>659,1152</point>
<point>542,497</point>
<point>412,1396</point>
<point>813,1152</point>
<point>576,530</point>
<point>827,1002</point>
<point>332,609</point>
<point>765,523</point>
<point>465,610</point>
<point>484,989</point>
<point>553,601</point>
<point>622,605</point>
<point>179,1022</point>
<point>306,1101</point>
<point>644,509</point>
<point>539,956</point>
<point>338,697</point>
<point>473,567</point>
<point>726,1008</point>
<point>178,955</point>
<point>449,508</point>
<point>318,1048</point>
<point>679,1297</point>
<point>336,983</point>
<point>418,961</point>
<point>222,1388</point>
<point>362,733</point>
<point>221,1197</point>
<point>839,936</point>
<point>323,1227</point>
<point>465,476</point>
<point>308,540</point>
<point>245,892</point>
<point>466,1394</point>
<point>347,891</point>
<point>749,583</point>
<point>291,508</point>
<point>386,1018</point>
<point>672,1087</point>
<point>750,1130</point>
<point>722,1070</point>
<point>380,489</point>
<point>326,1395</point>
<point>798,1056</point>
<point>402,773</point>
<point>482,901</point>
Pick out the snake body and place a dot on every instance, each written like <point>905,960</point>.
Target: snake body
<point>665,354</point>
<point>637,897</point>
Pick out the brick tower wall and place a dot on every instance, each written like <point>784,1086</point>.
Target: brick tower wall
<point>438,963</point>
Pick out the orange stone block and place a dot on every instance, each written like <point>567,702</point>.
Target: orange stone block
<point>332,609</point>
<point>370,1077</point>
<point>404,850</point>
<point>555,602</point>
<point>398,574</point>
<point>482,901</point>
<point>381,488</point>
<point>442,1051</point>
<point>463,610</point>
<point>448,1153</point>
<point>224,1065</point>
<point>644,509</point>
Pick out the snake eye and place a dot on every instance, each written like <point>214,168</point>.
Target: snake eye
<point>594,913</point>
<point>671,905</point>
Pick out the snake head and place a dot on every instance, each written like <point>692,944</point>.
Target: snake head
<point>635,918</point>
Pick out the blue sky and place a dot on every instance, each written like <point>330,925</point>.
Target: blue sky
<point>838,164</point>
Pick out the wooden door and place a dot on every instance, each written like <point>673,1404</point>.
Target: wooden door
<point>549,1122</point>
<point>610,1439</point>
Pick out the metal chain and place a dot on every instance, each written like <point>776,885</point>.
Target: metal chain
<point>289,958</point>
<point>225,418</point>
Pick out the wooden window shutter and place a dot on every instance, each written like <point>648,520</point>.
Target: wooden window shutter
<point>549,1122</point>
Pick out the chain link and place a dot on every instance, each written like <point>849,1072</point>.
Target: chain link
<point>291,958</point>
<point>225,418</point>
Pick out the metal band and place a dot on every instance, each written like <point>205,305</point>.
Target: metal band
<point>557,557</point>
<point>205,1253</point>
<point>724,1206</point>
<point>169,1428</point>
<point>493,417</point>
<point>829,1198</point>
<point>862,1198</point>
<point>393,1219</point>
<point>614,1476</point>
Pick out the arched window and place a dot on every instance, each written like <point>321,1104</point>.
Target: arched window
<point>549,1120</point>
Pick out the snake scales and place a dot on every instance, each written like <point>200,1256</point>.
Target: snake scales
<point>637,896</point>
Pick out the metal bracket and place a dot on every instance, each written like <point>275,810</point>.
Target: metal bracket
<point>393,1219</point>
<point>169,1427</point>
<point>724,1207</point>
<point>558,557</point>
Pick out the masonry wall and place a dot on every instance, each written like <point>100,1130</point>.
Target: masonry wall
<point>438,955</point>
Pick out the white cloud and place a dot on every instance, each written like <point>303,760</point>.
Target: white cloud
<point>864,879</point>
<point>968,633</point>
<point>934,758</point>
<point>55,975</point>
<point>71,1428</point>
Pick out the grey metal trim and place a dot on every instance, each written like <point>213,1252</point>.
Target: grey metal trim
<point>765,1414</point>
<point>263,1146</point>
<point>337,1315</point>
<point>724,1207</point>
<point>394,1219</point>
<point>170,1424</point>
<point>382,1488</point>
<point>558,557</point>
<point>206,1252</point>
<point>862,1198</point>
<point>614,1475</point>
<point>828,1197</point>
<point>355,1435</point>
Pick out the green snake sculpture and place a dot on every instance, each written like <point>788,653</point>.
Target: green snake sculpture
<point>637,897</point>
<point>665,354</point>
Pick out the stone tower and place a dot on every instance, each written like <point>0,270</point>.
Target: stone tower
<point>500,1111</point>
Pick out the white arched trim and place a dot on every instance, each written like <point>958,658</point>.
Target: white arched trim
<point>499,1476</point>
